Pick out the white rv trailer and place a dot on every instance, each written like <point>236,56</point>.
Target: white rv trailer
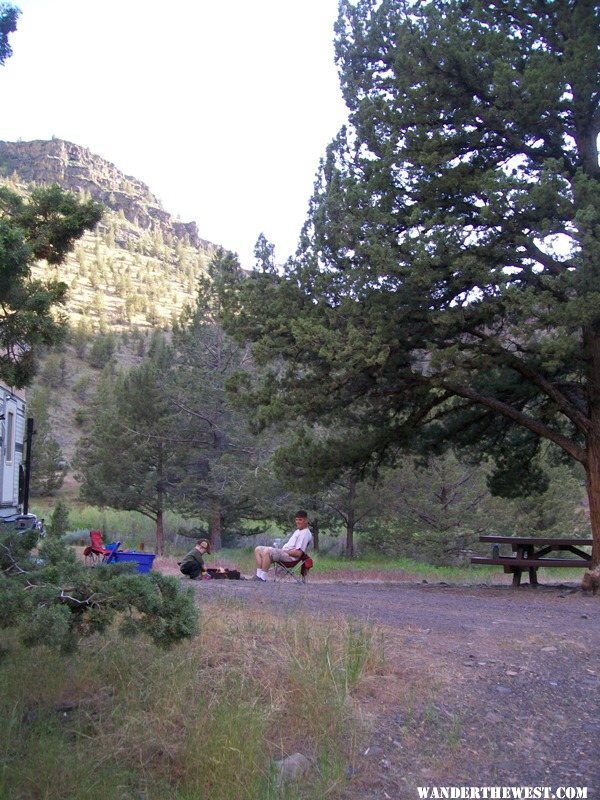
<point>12,445</point>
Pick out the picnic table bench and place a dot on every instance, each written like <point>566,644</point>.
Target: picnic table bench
<point>531,552</point>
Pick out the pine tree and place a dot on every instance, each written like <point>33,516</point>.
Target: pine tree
<point>58,524</point>
<point>48,464</point>
<point>52,599</point>
<point>102,351</point>
<point>220,479</point>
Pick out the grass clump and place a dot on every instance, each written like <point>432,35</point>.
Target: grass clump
<point>124,719</point>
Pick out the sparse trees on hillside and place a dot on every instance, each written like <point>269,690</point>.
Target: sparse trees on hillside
<point>54,370</point>
<point>102,350</point>
<point>80,336</point>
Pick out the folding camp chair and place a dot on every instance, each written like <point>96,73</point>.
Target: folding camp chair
<point>95,553</point>
<point>283,570</point>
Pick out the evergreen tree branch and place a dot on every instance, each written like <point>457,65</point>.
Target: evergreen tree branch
<point>553,266</point>
<point>551,390</point>
<point>531,424</point>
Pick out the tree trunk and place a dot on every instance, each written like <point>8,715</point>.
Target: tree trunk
<point>215,524</point>
<point>160,533</point>
<point>315,532</point>
<point>351,518</point>
<point>592,467</point>
<point>350,539</point>
<point>593,491</point>
<point>160,504</point>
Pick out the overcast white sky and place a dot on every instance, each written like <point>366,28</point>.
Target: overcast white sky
<point>222,108</point>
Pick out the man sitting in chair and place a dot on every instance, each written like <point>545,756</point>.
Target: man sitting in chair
<point>292,550</point>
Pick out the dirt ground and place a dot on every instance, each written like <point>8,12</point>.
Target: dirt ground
<point>480,685</point>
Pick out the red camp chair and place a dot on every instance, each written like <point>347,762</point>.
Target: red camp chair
<point>288,570</point>
<point>95,552</point>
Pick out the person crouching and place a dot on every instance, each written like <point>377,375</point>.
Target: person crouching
<point>192,564</point>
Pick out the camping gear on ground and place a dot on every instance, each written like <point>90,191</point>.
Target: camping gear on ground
<point>97,552</point>
<point>143,561</point>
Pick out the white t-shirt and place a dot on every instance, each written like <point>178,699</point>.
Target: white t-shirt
<point>299,540</point>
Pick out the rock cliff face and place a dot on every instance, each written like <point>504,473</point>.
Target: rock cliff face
<point>76,168</point>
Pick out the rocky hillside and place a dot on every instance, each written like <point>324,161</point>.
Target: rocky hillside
<point>129,277</point>
<point>79,170</point>
<point>140,266</point>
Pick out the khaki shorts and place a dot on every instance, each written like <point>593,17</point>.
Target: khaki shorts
<point>277,554</point>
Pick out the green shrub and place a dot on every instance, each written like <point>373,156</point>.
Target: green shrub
<point>59,520</point>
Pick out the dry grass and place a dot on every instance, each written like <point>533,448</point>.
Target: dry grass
<point>204,720</point>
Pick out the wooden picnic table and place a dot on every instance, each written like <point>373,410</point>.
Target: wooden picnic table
<point>531,552</point>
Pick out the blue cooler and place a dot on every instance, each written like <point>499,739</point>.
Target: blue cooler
<point>143,561</point>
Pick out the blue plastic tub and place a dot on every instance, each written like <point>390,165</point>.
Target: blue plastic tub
<point>143,561</point>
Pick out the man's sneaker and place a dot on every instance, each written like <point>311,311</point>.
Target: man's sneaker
<point>256,578</point>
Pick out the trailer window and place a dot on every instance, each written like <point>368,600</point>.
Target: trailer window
<point>10,433</point>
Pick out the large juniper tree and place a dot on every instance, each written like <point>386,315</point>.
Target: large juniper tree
<point>448,278</point>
